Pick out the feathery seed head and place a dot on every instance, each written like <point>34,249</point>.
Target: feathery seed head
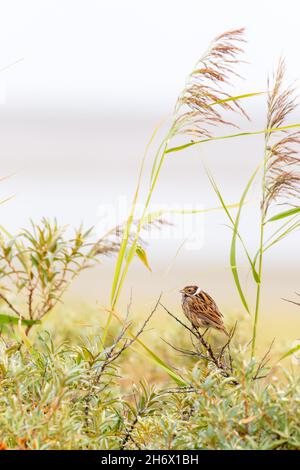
<point>200,105</point>
<point>282,158</point>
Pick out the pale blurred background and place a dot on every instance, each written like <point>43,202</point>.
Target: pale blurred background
<point>92,80</point>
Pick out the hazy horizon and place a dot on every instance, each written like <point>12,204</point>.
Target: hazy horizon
<point>77,110</point>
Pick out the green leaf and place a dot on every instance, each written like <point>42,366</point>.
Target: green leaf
<point>155,215</point>
<point>158,152</point>
<point>290,352</point>
<point>231,136</point>
<point>236,234</point>
<point>233,256</point>
<point>233,245</point>
<point>3,201</point>
<point>239,97</point>
<point>162,364</point>
<point>4,319</point>
<point>116,288</point>
<point>284,214</point>
<point>142,255</point>
<point>282,234</point>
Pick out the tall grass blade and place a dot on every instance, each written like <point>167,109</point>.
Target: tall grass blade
<point>290,352</point>
<point>3,201</point>
<point>231,136</point>
<point>116,286</point>
<point>162,364</point>
<point>233,251</point>
<point>155,215</point>
<point>126,236</point>
<point>282,234</point>
<point>284,214</point>
<point>236,234</point>
<point>239,97</point>
<point>154,166</point>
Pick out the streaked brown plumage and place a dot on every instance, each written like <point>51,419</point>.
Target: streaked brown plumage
<point>201,309</point>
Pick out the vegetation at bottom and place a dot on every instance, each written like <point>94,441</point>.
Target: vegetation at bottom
<point>70,396</point>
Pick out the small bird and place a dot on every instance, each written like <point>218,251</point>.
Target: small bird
<point>201,309</point>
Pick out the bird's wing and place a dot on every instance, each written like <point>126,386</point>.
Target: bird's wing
<point>209,301</point>
<point>206,308</point>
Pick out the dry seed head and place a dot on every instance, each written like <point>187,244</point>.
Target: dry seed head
<point>110,243</point>
<point>200,104</point>
<point>283,164</point>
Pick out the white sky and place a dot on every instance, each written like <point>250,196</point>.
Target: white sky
<point>133,54</point>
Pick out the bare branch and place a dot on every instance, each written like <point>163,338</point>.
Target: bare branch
<point>262,364</point>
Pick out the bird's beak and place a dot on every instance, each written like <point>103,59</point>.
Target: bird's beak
<point>181,291</point>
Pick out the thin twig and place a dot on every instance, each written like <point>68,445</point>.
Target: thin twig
<point>10,305</point>
<point>292,301</point>
<point>263,362</point>
<point>115,351</point>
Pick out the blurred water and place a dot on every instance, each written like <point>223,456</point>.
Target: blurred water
<point>66,166</point>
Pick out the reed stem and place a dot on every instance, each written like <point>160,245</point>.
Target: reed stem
<point>261,249</point>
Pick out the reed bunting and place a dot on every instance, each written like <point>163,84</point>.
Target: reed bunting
<point>201,309</point>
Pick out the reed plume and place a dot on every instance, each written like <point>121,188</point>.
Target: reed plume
<point>110,242</point>
<point>282,178</point>
<point>200,105</point>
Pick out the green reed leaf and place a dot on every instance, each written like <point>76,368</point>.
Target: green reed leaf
<point>236,234</point>
<point>272,240</point>
<point>155,215</point>
<point>290,352</point>
<point>231,136</point>
<point>284,214</point>
<point>154,166</point>
<point>8,319</point>
<point>126,236</point>
<point>142,255</point>
<point>233,251</point>
<point>157,360</point>
<point>239,97</point>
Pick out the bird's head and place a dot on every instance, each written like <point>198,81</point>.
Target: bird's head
<point>189,290</point>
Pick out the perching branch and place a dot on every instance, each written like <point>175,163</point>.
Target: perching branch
<point>219,359</point>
